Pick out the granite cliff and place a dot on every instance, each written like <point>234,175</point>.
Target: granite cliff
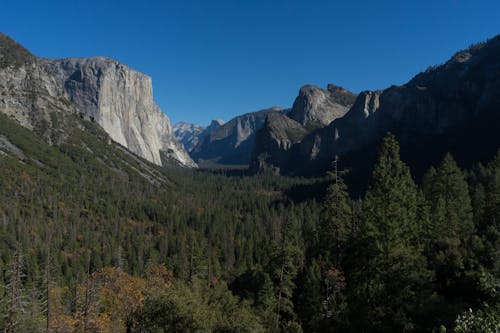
<point>120,100</point>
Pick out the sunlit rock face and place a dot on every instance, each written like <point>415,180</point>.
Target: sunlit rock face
<point>120,99</point>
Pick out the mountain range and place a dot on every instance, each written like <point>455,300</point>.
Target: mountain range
<point>452,107</point>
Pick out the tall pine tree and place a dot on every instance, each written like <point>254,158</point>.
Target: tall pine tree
<point>389,273</point>
<point>335,225</point>
<point>448,249</point>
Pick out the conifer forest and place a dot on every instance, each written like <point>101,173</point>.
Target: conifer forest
<point>88,248</point>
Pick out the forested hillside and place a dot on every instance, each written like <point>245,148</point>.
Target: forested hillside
<point>94,239</point>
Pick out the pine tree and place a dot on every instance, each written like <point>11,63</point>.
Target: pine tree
<point>388,269</point>
<point>446,187</point>
<point>285,260</point>
<point>14,294</point>
<point>335,225</point>
<point>452,226</point>
<point>310,300</point>
<point>488,228</point>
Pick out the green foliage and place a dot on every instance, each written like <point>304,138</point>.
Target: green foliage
<point>447,191</point>
<point>285,261</point>
<point>389,270</point>
<point>485,320</point>
<point>336,224</point>
<point>449,238</point>
<point>310,299</point>
<point>198,309</point>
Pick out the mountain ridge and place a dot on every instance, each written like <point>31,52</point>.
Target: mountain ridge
<point>434,109</point>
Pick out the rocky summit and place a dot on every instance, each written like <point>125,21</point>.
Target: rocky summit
<point>120,99</point>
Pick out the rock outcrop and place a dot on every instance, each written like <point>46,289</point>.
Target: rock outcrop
<point>232,143</point>
<point>449,108</point>
<point>315,107</point>
<point>120,100</point>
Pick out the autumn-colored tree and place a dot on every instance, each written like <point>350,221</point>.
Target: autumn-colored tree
<point>158,278</point>
<point>60,320</point>
<point>121,297</point>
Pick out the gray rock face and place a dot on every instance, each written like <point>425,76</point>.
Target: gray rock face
<point>450,108</point>
<point>189,135</point>
<point>30,94</point>
<point>316,107</point>
<point>120,99</point>
<point>232,143</point>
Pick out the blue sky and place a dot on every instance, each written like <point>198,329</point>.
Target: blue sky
<point>217,59</point>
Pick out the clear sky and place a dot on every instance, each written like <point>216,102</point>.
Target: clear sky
<point>216,59</point>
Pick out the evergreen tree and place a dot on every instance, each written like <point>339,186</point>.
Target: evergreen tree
<point>335,225</point>
<point>448,192</point>
<point>389,274</point>
<point>310,300</point>
<point>488,228</point>
<point>285,261</point>
<point>452,227</point>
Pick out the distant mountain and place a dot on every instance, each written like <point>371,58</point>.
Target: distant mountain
<point>189,135</point>
<point>231,143</point>
<point>454,107</point>
<point>120,99</point>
